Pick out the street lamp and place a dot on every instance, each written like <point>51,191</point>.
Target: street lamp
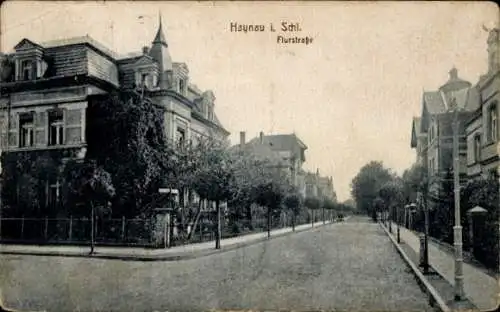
<point>498,176</point>
<point>424,239</point>
<point>457,229</point>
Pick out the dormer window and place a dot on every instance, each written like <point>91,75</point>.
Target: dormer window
<point>146,79</point>
<point>182,86</point>
<point>26,71</point>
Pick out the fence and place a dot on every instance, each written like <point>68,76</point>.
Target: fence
<point>136,232</point>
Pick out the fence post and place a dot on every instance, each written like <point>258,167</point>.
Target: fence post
<point>70,227</point>
<point>123,228</point>
<point>46,227</point>
<point>22,227</point>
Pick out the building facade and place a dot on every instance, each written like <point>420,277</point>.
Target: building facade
<point>433,132</point>
<point>285,150</point>
<point>47,88</point>
<point>482,128</point>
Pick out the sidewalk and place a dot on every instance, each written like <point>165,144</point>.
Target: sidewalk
<point>188,251</point>
<point>479,287</point>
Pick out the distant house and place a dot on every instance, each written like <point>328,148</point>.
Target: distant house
<point>47,88</point>
<point>285,150</point>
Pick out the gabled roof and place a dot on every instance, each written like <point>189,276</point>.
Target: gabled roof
<point>27,44</point>
<point>415,131</point>
<point>433,101</point>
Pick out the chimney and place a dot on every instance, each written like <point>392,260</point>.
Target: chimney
<point>261,136</point>
<point>453,74</point>
<point>242,138</point>
<point>145,50</point>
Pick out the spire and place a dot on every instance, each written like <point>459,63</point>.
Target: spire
<point>160,37</point>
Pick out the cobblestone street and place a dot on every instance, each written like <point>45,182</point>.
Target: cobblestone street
<point>347,266</point>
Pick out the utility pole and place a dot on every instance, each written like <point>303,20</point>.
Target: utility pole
<point>457,229</point>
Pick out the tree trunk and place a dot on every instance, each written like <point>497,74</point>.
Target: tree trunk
<point>324,221</point>
<point>195,223</point>
<point>218,230</point>
<point>268,222</point>
<point>92,218</point>
<point>312,217</point>
<point>293,222</point>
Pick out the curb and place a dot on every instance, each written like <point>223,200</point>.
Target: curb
<point>434,296</point>
<point>170,257</point>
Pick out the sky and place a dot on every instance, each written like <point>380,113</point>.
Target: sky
<point>350,95</point>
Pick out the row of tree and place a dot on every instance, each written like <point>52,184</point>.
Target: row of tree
<point>376,189</point>
<point>129,159</point>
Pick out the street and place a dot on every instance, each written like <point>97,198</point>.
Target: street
<point>343,266</point>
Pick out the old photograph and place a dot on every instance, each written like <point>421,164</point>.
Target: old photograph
<point>249,156</point>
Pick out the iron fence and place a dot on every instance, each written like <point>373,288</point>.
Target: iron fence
<point>151,232</point>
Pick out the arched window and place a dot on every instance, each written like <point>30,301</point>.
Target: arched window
<point>493,123</point>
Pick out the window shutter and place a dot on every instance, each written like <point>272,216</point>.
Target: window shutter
<point>40,129</point>
<point>73,126</point>
<point>13,131</point>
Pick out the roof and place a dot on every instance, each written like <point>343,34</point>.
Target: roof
<point>416,124</point>
<point>281,142</point>
<point>80,40</point>
<point>260,151</point>
<point>438,102</point>
<point>433,101</point>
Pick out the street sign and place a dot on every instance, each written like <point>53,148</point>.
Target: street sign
<point>168,191</point>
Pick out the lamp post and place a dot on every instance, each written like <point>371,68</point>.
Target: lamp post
<point>498,246</point>
<point>390,217</point>
<point>457,229</point>
<point>397,223</point>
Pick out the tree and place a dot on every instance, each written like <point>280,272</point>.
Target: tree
<point>330,206</point>
<point>366,184</point>
<point>313,203</point>
<point>126,137</point>
<point>90,184</point>
<point>269,191</point>
<point>293,202</point>
<point>391,194</point>
<point>214,178</point>
<point>484,193</point>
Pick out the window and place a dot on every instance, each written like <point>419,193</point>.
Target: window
<point>144,79</point>
<point>26,130</point>
<point>182,86</point>
<point>56,128</point>
<point>211,114</point>
<point>493,174</point>
<point>180,136</point>
<point>26,71</point>
<point>477,148</point>
<point>54,193</point>
<point>493,123</point>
